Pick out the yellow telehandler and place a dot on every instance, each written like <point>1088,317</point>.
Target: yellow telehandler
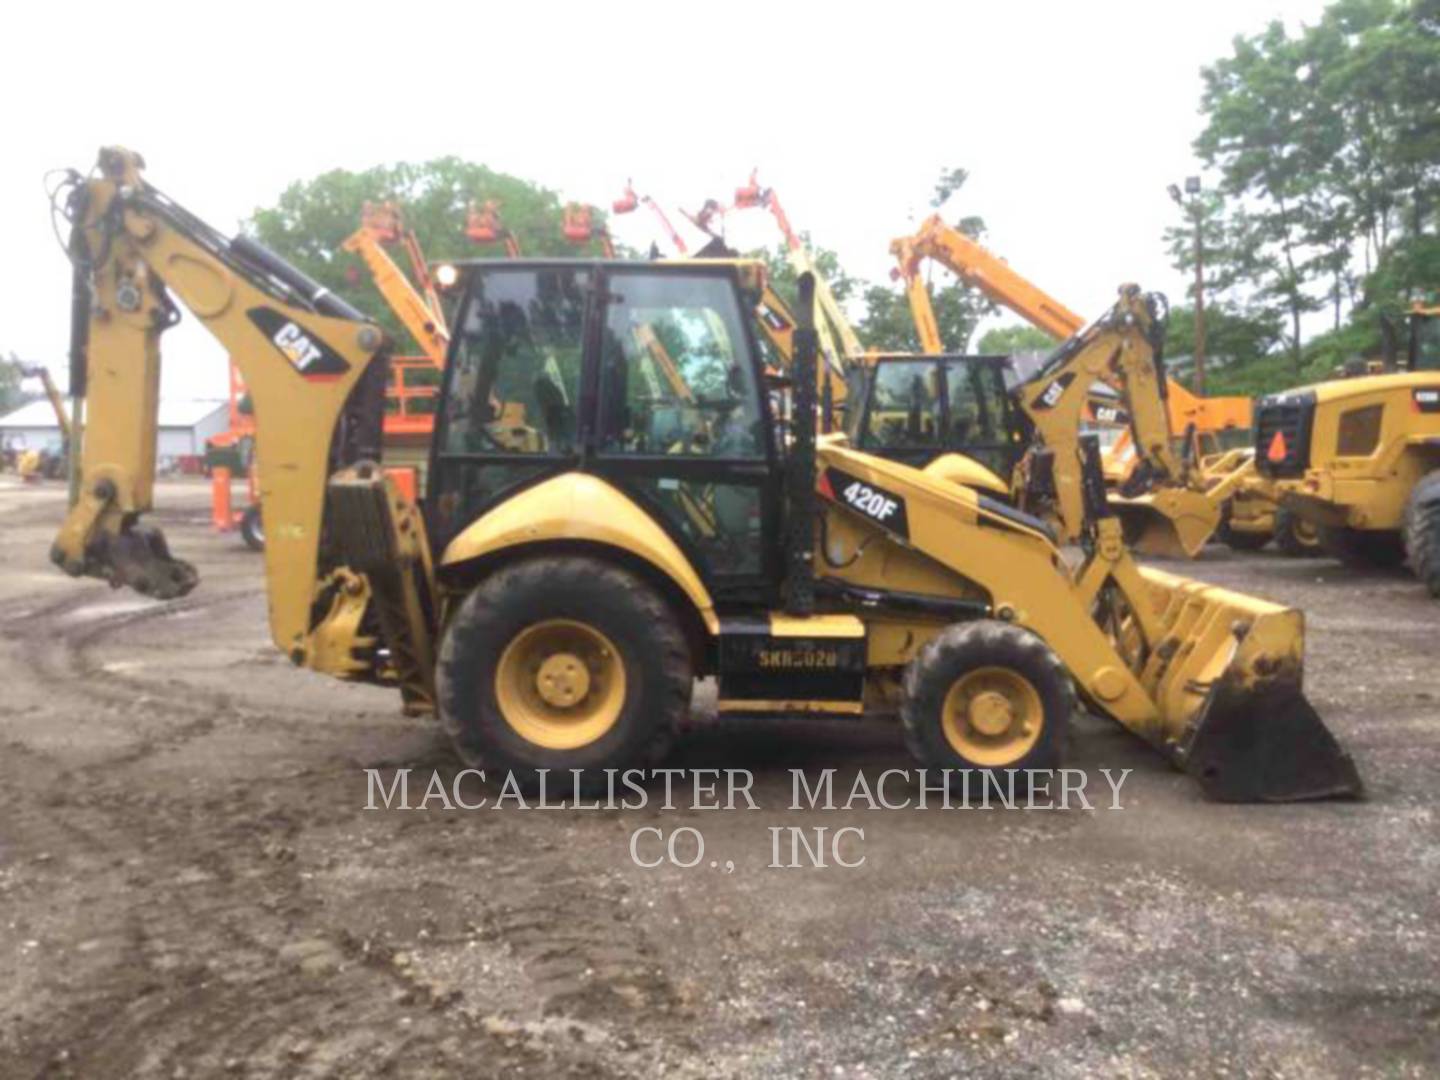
<point>589,541</point>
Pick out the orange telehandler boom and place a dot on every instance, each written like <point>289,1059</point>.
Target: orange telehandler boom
<point>982,269</point>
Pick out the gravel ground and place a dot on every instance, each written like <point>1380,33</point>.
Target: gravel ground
<point>190,884</point>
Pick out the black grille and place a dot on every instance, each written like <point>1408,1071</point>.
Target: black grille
<point>1290,416</point>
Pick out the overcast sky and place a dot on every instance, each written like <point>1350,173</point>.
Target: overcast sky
<point>1070,117</point>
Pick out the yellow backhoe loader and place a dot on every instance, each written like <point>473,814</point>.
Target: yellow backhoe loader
<point>1242,507</point>
<point>35,463</point>
<point>1359,458</point>
<point>583,551</point>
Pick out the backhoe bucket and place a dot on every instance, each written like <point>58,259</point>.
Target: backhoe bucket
<point>1226,674</point>
<point>1173,523</point>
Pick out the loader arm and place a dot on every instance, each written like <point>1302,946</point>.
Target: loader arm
<point>315,370</point>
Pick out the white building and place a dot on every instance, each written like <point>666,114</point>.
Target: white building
<point>184,425</point>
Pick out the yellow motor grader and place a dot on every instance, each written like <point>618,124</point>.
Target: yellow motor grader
<point>590,540</point>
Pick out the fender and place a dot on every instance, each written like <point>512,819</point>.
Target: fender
<point>578,506</point>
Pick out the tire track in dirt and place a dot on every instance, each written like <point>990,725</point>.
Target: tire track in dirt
<point>184,973</point>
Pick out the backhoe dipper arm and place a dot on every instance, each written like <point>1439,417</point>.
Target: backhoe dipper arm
<point>308,359</point>
<point>1120,348</point>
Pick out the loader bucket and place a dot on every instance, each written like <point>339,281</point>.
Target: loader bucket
<point>1173,523</point>
<point>1226,674</point>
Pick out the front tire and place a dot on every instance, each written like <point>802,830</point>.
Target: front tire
<point>563,663</point>
<point>987,695</point>
<point>1235,539</point>
<point>1422,531</point>
<point>1295,536</point>
<point>252,528</point>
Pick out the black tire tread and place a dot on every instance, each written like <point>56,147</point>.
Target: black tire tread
<point>1362,549</point>
<point>565,573</point>
<point>960,639</point>
<point>1286,539</point>
<point>1422,531</point>
<point>252,528</point>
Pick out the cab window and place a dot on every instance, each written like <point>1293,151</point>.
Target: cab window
<point>977,404</point>
<point>1425,343</point>
<point>515,373</point>
<point>676,378</point>
<point>905,406</point>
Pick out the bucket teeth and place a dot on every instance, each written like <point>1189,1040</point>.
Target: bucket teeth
<point>1266,743</point>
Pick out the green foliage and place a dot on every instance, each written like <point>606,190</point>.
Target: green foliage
<point>1236,341</point>
<point>12,395</point>
<point>1327,143</point>
<point>312,219</point>
<point>1009,340</point>
<point>784,278</point>
<point>888,324</point>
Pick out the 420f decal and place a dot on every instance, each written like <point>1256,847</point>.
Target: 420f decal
<point>885,508</point>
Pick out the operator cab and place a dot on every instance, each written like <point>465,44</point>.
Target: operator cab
<point>913,409</point>
<point>1425,339</point>
<point>646,376</point>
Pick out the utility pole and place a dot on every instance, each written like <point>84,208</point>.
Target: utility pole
<point>1192,188</point>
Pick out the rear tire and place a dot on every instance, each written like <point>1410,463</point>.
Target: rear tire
<point>1295,536</point>
<point>1236,540</point>
<point>252,529</point>
<point>1422,531</point>
<point>987,695</point>
<point>563,663</point>
<point>1362,548</point>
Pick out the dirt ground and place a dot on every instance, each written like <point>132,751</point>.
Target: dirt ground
<point>190,884</point>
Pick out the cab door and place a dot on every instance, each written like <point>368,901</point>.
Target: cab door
<point>510,408</point>
<point>681,426</point>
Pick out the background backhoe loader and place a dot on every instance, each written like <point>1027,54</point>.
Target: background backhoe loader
<point>578,557</point>
<point>36,463</point>
<point>1359,458</point>
<point>1244,510</point>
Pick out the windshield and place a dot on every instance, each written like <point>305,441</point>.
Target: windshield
<point>904,407</point>
<point>1425,343</point>
<point>916,408</point>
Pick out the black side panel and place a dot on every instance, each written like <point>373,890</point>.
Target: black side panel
<point>756,666</point>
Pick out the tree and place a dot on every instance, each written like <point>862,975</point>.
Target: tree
<point>827,264</point>
<point>889,323</point>
<point>1019,338</point>
<point>1234,337</point>
<point>1262,137</point>
<point>1328,144</point>
<point>12,394</point>
<point>311,220</point>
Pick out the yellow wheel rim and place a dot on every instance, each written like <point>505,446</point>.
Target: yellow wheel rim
<point>992,716</point>
<point>1307,533</point>
<point>560,684</point>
